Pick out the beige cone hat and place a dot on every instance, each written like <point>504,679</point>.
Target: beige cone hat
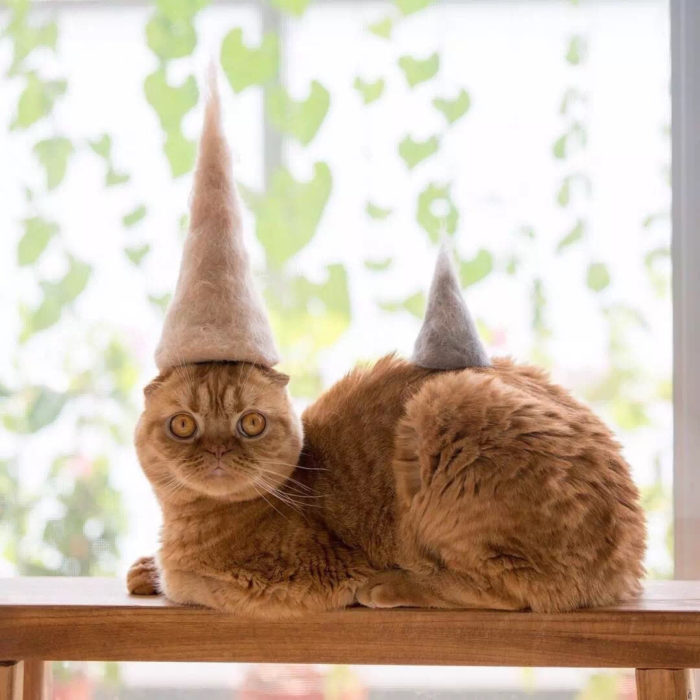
<point>448,338</point>
<point>216,312</point>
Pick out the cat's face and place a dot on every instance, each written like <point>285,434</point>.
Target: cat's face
<point>224,430</point>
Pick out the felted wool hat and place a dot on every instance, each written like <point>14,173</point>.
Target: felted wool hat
<point>216,312</point>
<point>448,338</point>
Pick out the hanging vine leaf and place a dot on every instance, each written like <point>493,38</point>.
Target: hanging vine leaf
<point>244,66</point>
<point>419,70</point>
<point>171,103</point>
<point>53,155</point>
<point>136,254</point>
<point>160,301</point>
<point>292,7</point>
<point>26,37</point>
<point>113,177</point>
<point>289,213</point>
<point>180,151</point>
<point>299,119</point>
<point>455,108</point>
<point>37,234</point>
<point>374,211</point>
<point>575,235</point>
<point>56,296</point>
<point>413,152</point>
<point>170,38</point>
<point>414,304</point>
<point>436,212</point>
<point>36,100</point>
<point>134,216</point>
<point>41,407</point>
<point>474,270</point>
<point>576,50</point>
<point>408,7</point>
<point>369,91</point>
<point>598,277</point>
<point>382,28</point>
<point>102,146</point>
<point>378,265</point>
<point>559,147</point>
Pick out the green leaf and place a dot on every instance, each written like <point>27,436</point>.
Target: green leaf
<point>160,301</point>
<point>382,28</point>
<point>37,100</point>
<point>575,235</point>
<point>413,152</point>
<point>180,9</point>
<point>378,265</point>
<point>374,211</point>
<point>455,108</point>
<point>577,50</point>
<point>180,151</point>
<point>598,277</point>
<point>419,70</point>
<point>474,270</point>
<point>564,193</point>
<point>292,7</point>
<point>44,409</point>
<point>436,212</point>
<point>170,103</point>
<point>369,91</point>
<point>37,234</point>
<point>408,7</point>
<point>137,253</point>
<point>113,177</point>
<point>414,304</point>
<point>170,38</point>
<point>307,316</point>
<point>559,147</point>
<point>102,146</point>
<point>134,216</point>
<point>288,214</point>
<point>27,37</point>
<point>57,295</point>
<point>299,119</point>
<point>53,154</point>
<point>245,67</point>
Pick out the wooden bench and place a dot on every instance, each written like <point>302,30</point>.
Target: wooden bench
<point>94,619</point>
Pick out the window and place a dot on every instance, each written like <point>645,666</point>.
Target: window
<point>535,134</point>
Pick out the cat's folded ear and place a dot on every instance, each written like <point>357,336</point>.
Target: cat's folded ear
<point>275,376</point>
<point>154,385</point>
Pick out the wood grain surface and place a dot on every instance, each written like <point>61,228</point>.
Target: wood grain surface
<point>664,684</point>
<point>95,619</point>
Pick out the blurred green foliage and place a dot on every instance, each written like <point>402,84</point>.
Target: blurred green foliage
<point>71,521</point>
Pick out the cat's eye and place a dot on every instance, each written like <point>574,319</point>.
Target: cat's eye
<point>252,424</point>
<point>182,425</point>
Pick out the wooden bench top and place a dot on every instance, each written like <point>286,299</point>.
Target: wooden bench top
<point>95,619</point>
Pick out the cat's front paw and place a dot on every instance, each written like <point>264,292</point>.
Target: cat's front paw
<point>142,578</point>
<point>387,589</point>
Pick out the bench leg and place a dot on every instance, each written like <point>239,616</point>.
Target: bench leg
<point>11,680</point>
<point>664,684</point>
<point>36,679</point>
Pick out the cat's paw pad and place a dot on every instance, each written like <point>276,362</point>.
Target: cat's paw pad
<point>142,578</point>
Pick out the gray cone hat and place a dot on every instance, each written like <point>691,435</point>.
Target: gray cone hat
<point>448,338</point>
<point>216,312</point>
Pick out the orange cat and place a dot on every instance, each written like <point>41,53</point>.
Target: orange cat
<point>482,487</point>
<point>446,481</point>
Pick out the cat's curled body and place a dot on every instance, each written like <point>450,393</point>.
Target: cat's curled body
<point>483,487</point>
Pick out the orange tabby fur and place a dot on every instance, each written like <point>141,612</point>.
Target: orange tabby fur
<point>485,487</point>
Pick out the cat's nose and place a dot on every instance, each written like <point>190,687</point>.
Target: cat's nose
<point>219,450</point>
